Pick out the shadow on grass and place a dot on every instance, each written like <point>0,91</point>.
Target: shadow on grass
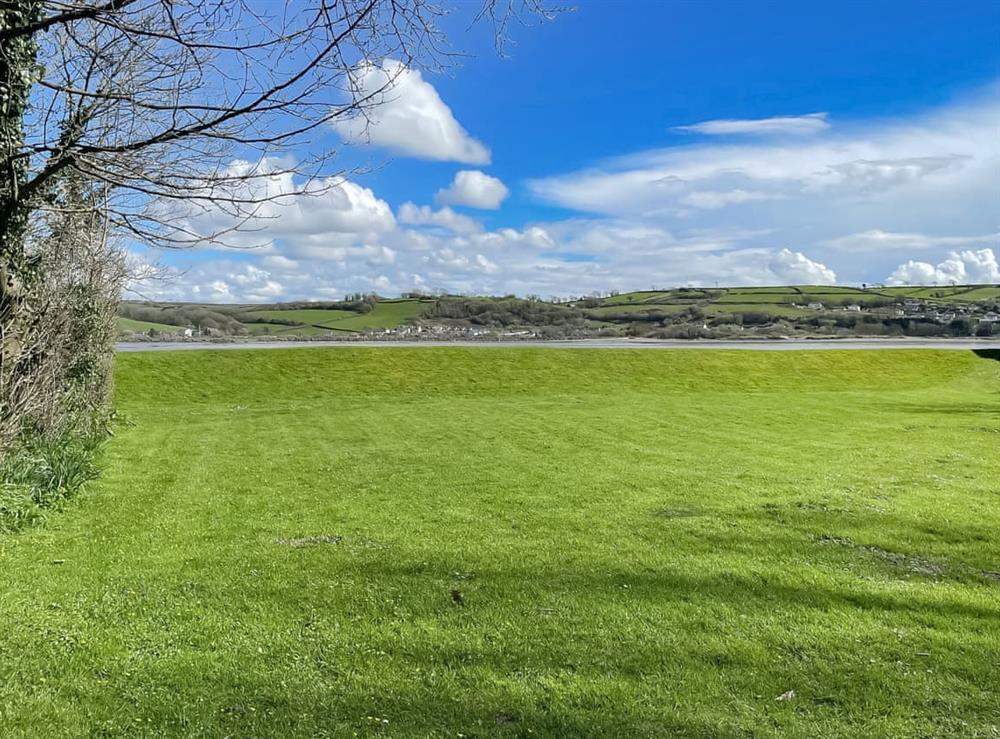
<point>993,354</point>
<point>563,650</point>
<point>953,409</point>
<point>479,679</point>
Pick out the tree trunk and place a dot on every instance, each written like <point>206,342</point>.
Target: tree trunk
<point>18,71</point>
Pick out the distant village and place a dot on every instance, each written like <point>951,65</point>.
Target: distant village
<point>914,308</point>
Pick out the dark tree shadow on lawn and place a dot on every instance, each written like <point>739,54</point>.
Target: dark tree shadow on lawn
<point>993,354</point>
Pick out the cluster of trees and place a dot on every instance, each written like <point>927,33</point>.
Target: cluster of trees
<point>504,312</point>
<point>694,322</point>
<point>356,302</point>
<point>690,322</point>
<point>652,315</point>
<point>194,316</point>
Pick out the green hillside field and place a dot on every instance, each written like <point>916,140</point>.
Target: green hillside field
<point>313,321</point>
<point>773,298</point>
<point>141,327</point>
<point>294,322</point>
<point>445,542</point>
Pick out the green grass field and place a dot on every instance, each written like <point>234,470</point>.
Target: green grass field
<point>141,327</point>
<point>387,314</point>
<point>734,296</point>
<point>318,321</point>
<point>646,544</point>
<point>978,294</point>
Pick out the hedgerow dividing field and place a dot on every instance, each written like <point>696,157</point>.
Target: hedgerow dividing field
<point>521,542</point>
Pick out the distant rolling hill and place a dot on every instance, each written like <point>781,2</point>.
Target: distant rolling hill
<point>799,310</point>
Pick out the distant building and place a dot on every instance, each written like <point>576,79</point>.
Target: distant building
<point>815,306</point>
<point>853,308</point>
<point>990,317</point>
<point>187,333</point>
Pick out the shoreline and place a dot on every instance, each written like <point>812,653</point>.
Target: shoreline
<point>963,344</point>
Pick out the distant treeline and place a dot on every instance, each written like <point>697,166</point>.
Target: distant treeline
<point>193,316</point>
<point>358,303</point>
<point>506,312</point>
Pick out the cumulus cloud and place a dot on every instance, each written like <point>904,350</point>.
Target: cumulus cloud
<point>800,124</point>
<point>475,189</point>
<point>408,117</point>
<point>224,281</point>
<point>961,267</point>
<point>848,204</point>
<point>290,209</point>
<point>367,254</point>
<point>793,267</point>
<point>451,259</point>
<point>424,215</point>
<point>563,258</point>
<point>278,262</point>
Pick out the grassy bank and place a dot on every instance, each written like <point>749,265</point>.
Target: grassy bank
<point>522,542</point>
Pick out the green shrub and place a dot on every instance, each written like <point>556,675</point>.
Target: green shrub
<point>41,474</point>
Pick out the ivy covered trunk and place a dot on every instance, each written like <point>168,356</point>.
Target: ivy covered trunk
<point>18,71</point>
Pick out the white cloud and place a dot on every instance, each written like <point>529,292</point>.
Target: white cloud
<point>474,189</point>
<point>921,175</point>
<point>534,237</point>
<point>710,200</point>
<point>793,267</point>
<point>960,267</point>
<point>848,204</point>
<point>279,263</point>
<point>408,117</point>
<point>801,124</point>
<point>926,182</point>
<point>875,240</point>
<point>452,259</point>
<point>367,254</point>
<point>288,209</point>
<point>224,281</point>
<point>563,258</point>
<point>424,215</point>
<point>871,175</point>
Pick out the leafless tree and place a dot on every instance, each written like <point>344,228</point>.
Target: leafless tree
<point>156,98</point>
<point>150,103</point>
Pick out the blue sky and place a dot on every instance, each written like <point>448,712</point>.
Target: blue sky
<point>662,143</point>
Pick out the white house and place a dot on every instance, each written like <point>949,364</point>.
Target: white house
<point>853,308</point>
<point>187,333</point>
<point>815,306</point>
<point>990,317</point>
